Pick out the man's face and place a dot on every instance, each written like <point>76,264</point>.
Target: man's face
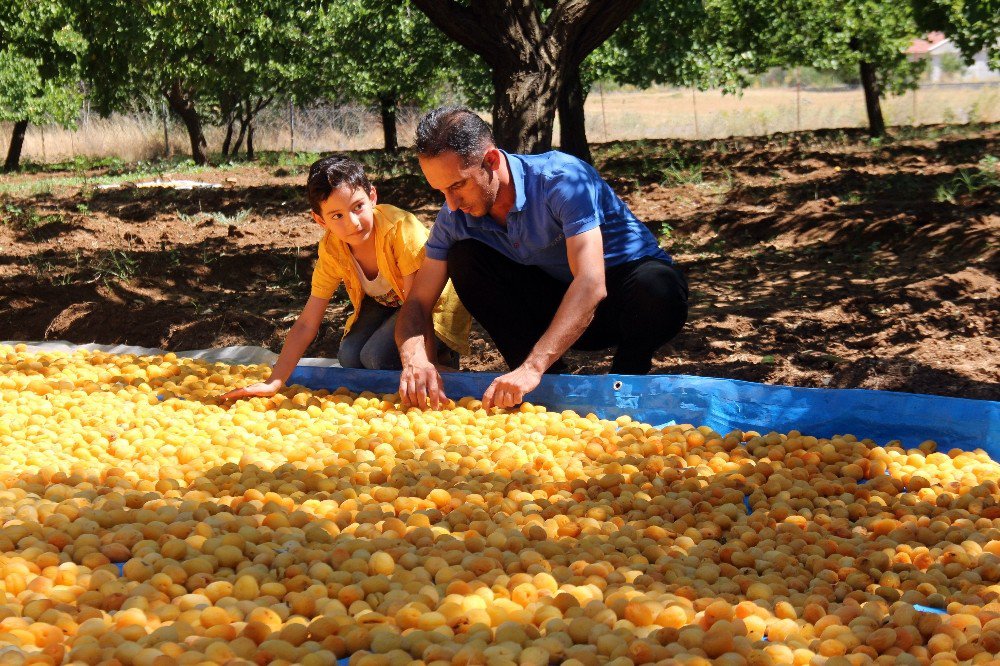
<point>348,214</point>
<point>471,189</point>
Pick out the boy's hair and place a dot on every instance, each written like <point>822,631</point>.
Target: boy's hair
<point>331,172</point>
<point>456,129</point>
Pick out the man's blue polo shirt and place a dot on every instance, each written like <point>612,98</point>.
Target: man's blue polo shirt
<point>556,196</point>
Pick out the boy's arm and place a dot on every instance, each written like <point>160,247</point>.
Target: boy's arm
<point>302,333</point>
<point>419,382</point>
<point>430,337</point>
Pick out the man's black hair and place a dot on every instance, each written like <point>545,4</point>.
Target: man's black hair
<point>456,129</point>
<point>332,172</point>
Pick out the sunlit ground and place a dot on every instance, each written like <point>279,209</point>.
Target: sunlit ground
<point>146,523</point>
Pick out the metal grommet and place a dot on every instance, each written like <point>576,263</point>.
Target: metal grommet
<point>617,385</point>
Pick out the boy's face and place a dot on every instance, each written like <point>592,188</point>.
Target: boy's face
<point>348,214</point>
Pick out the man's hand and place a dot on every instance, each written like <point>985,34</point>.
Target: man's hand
<point>261,390</point>
<point>509,390</point>
<point>420,385</point>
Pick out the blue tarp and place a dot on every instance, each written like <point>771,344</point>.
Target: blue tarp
<point>728,404</point>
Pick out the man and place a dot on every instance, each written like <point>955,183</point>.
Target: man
<point>542,253</point>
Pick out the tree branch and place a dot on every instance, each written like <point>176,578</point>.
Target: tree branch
<point>463,25</point>
<point>583,25</point>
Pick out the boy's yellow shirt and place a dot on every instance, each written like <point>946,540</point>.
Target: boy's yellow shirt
<point>399,248</point>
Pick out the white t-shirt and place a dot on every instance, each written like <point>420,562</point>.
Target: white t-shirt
<point>378,288</point>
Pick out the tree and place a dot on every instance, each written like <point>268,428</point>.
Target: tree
<point>639,54</point>
<point>876,35</point>
<point>155,48</point>
<point>532,48</point>
<point>388,54</point>
<point>266,56</point>
<point>39,68</point>
<point>722,43</point>
<point>210,59</point>
<point>868,36</point>
<point>973,25</point>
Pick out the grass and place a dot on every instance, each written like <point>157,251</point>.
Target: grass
<point>239,218</point>
<point>289,276</point>
<point>970,181</point>
<point>119,265</point>
<point>273,158</point>
<point>80,163</point>
<point>87,181</point>
<point>80,172</point>
<point>681,174</point>
<point>113,171</point>
<point>27,219</point>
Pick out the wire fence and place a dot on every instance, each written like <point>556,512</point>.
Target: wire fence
<point>619,114</point>
<point>686,113</point>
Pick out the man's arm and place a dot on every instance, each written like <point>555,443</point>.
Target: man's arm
<point>585,252</point>
<point>419,382</point>
<point>301,334</point>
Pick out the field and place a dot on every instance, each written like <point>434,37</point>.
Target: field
<point>675,113</point>
<point>815,259</point>
<point>612,115</point>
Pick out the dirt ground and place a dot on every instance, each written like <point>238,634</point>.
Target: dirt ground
<point>816,259</point>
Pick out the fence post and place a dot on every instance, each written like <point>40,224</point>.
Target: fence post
<point>291,127</point>
<point>798,99</point>
<point>166,129</point>
<point>604,115</point>
<point>694,107</point>
<point>914,114</point>
<point>41,132</point>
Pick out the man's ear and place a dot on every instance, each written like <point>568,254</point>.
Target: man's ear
<point>491,160</point>
<point>316,218</point>
<point>373,195</point>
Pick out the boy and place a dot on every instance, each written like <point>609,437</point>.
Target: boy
<point>374,249</point>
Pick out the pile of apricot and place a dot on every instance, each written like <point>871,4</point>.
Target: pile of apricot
<point>144,521</point>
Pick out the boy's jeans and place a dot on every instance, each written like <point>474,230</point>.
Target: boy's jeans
<point>371,342</point>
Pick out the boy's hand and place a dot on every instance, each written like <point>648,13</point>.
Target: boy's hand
<point>420,384</point>
<point>262,390</point>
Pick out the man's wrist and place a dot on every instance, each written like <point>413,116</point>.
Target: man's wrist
<point>535,364</point>
<point>413,352</point>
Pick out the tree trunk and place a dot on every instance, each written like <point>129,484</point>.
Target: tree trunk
<point>524,107</point>
<point>13,162</point>
<point>239,137</point>
<point>250,151</point>
<point>229,136</point>
<point>388,107</point>
<point>182,103</point>
<point>249,118</point>
<point>529,55</point>
<point>869,82</point>
<point>572,121</point>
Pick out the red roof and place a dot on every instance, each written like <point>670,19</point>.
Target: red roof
<point>924,45</point>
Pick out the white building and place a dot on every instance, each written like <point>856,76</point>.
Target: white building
<point>939,49</point>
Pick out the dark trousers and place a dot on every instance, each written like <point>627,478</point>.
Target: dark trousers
<point>645,307</point>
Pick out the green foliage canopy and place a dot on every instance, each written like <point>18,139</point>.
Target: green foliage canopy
<point>40,53</point>
<point>205,47</point>
<point>376,50</point>
<point>974,25</point>
<point>722,43</point>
